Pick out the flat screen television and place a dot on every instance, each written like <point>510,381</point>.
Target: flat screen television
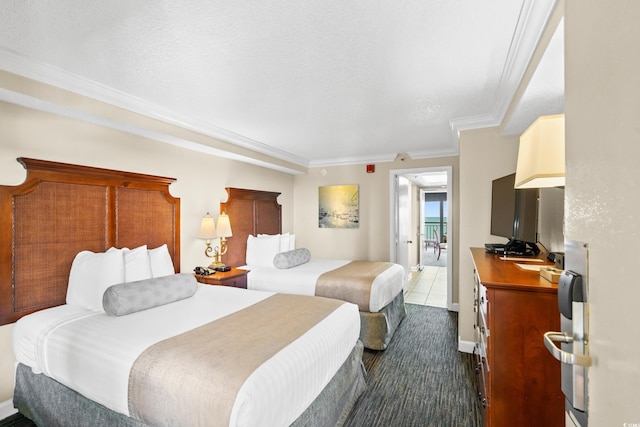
<point>514,215</point>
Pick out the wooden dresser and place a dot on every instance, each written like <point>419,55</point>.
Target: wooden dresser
<point>519,381</point>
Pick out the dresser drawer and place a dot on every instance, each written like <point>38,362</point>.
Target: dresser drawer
<point>482,373</point>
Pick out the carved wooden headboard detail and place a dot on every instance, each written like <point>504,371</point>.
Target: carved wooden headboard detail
<point>250,212</point>
<point>62,209</point>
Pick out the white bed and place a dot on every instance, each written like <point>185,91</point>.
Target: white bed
<point>92,353</point>
<point>275,265</point>
<point>303,278</point>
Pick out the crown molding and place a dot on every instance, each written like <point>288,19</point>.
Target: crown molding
<point>50,107</point>
<point>534,16</point>
<point>45,73</point>
<point>432,154</point>
<point>345,161</point>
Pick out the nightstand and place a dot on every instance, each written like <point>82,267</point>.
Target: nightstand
<point>234,277</point>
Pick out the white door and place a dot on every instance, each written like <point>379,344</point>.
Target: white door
<point>403,224</point>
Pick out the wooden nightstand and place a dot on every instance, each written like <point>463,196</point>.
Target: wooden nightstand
<point>234,277</point>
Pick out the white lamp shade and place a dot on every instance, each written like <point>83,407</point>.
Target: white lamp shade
<point>207,228</point>
<point>541,154</point>
<point>224,226</point>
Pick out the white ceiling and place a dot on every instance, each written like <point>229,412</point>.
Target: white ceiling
<point>311,82</point>
<point>436,180</point>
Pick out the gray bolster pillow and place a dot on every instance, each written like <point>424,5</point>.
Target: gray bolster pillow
<point>130,297</point>
<point>292,258</point>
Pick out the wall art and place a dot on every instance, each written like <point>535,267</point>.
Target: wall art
<point>339,206</point>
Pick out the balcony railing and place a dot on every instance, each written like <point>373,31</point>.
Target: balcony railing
<point>429,226</point>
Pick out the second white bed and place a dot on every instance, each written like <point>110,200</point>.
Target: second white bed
<point>302,280</point>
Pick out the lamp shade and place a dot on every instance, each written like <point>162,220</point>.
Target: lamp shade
<point>541,154</point>
<point>224,226</point>
<point>207,228</point>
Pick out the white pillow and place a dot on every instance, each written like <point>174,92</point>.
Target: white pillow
<point>160,259</point>
<point>261,251</point>
<point>91,274</point>
<point>136,264</point>
<point>284,242</point>
<point>287,241</point>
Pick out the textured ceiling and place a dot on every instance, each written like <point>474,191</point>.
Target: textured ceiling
<point>312,82</point>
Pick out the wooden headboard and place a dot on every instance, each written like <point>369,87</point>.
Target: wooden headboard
<point>250,212</point>
<point>62,209</point>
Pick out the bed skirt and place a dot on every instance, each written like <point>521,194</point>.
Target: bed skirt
<point>377,329</point>
<point>49,403</point>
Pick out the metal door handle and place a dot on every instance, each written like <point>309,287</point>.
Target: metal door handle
<point>561,355</point>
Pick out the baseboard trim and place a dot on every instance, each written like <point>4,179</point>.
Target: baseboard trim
<point>466,346</point>
<point>7,409</point>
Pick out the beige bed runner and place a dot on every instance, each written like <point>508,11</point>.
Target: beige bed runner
<point>351,282</point>
<point>192,379</point>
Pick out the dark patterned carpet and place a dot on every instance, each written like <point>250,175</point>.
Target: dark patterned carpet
<point>16,420</point>
<point>421,379</point>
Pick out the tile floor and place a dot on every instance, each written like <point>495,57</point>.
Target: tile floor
<point>428,287</point>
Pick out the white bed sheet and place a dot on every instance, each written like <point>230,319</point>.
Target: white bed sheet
<point>92,353</point>
<point>302,280</point>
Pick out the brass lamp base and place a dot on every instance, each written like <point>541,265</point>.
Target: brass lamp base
<point>216,265</point>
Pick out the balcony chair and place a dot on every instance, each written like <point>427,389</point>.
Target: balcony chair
<point>434,242</point>
<point>439,245</point>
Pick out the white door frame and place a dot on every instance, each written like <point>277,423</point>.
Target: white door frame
<point>393,220</point>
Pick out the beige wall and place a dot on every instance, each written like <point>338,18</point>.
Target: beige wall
<point>602,192</point>
<point>371,240</point>
<point>484,156</point>
<point>201,179</point>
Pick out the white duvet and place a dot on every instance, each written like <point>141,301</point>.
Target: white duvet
<point>92,353</point>
<point>302,280</point>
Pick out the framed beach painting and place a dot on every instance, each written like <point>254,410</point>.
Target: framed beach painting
<point>339,206</point>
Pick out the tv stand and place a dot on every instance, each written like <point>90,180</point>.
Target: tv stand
<point>513,247</point>
<point>517,384</point>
